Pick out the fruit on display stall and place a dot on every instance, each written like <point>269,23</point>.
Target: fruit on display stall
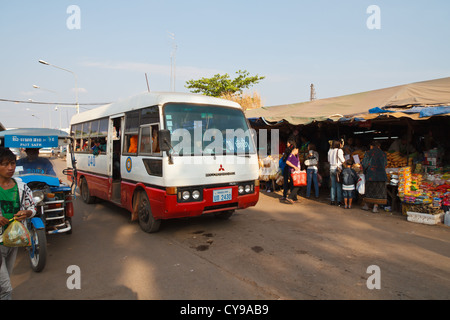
<point>397,160</point>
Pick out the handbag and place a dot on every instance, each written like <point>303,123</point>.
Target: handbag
<point>299,178</point>
<point>338,169</point>
<point>338,174</point>
<point>311,162</point>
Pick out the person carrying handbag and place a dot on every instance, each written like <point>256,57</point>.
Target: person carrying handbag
<point>287,183</point>
<point>336,159</point>
<point>293,164</point>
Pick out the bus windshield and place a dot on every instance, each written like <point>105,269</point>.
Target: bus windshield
<point>207,130</point>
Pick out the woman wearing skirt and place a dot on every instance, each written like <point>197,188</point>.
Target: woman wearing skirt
<point>374,165</point>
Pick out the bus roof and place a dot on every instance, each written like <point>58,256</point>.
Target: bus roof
<point>148,99</point>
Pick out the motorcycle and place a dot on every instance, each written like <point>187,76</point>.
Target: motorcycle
<point>53,198</point>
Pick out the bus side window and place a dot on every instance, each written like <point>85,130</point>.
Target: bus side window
<point>85,145</point>
<point>149,140</point>
<point>155,139</point>
<point>78,145</point>
<point>131,143</point>
<point>145,146</point>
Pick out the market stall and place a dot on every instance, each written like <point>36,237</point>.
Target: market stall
<point>418,176</point>
<point>269,173</point>
<point>419,181</point>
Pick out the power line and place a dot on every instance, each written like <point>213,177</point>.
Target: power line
<point>53,103</point>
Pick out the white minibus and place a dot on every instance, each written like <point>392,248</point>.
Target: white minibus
<point>167,155</point>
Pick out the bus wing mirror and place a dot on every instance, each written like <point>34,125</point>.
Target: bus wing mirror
<point>164,140</point>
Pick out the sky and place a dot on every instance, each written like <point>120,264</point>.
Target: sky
<point>342,47</point>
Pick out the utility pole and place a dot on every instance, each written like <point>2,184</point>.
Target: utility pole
<point>173,62</point>
<point>313,93</point>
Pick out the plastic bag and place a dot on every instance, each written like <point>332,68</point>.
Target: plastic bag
<point>16,235</point>
<point>361,184</point>
<point>299,178</point>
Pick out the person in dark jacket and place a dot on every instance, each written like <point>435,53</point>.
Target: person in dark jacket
<point>374,164</point>
<point>349,181</point>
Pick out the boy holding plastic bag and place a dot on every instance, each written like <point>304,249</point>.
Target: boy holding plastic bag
<point>16,204</point>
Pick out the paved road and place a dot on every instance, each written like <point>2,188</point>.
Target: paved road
<point>273,251</point>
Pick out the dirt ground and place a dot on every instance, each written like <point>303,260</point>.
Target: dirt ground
<point>274,251</point>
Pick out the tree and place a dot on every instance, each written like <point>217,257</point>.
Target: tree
<point>222,84</point>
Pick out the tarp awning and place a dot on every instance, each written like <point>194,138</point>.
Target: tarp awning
<point>422,111</point>
<point>426,93</point>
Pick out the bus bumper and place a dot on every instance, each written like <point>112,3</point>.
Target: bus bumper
<point>175,209</point>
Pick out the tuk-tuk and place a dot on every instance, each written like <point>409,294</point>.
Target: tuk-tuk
<point>53,198</point>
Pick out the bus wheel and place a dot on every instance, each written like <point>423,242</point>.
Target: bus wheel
<point>146,220</point>
<point>224,215</point>
<point>85,195</point>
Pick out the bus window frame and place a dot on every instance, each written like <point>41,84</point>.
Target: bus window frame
<point>87,138</point>
<point>126,143</point>
<point>137,130</point>
<point>151,153</point>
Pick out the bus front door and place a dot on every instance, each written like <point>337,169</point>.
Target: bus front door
<point>117,124</point>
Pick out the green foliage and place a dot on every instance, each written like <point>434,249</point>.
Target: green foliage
<point>222,84</point>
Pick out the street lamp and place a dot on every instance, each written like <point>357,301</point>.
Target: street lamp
<point>76,84</point>
<point>35,116</point>
<point>38,87</point>
<point>49,114</point>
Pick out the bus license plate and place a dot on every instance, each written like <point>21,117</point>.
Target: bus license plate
<point>222,195</point>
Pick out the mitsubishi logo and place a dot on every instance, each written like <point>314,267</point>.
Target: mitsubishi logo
<point>217,174</point>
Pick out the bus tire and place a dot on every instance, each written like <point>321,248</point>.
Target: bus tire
<point>146,220</point>
<point>85,194</point>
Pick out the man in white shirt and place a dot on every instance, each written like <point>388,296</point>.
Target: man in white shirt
<point>335,159</point>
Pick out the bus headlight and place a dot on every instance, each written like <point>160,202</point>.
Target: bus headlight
<point>246,188</point>
<point>190,195</point>
<point>195,194</point>
<point>186,195</point>
<point>38,196</point>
